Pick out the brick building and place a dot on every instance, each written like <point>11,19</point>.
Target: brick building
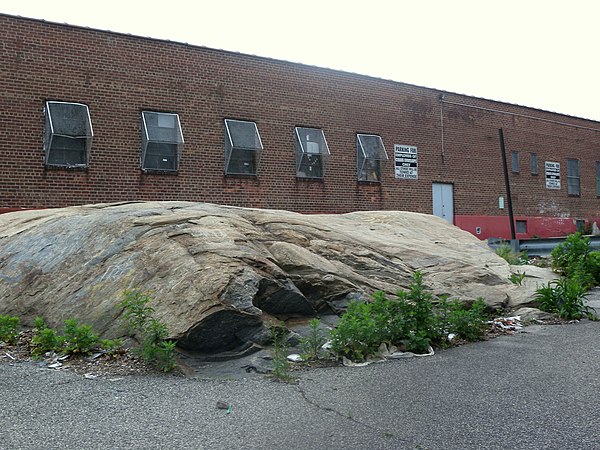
<point>92,116</point>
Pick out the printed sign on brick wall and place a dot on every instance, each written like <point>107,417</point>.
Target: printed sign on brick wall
<point>552,175</point>
<point>405,162</point>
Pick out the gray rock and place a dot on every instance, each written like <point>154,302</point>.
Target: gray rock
<point>217,273</point>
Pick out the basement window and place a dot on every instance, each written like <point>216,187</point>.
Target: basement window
<point>521,226</point>
<point>573,177</point>
<point>243,147</point>
<point>67,134</point>
<point>370,157</point>
<point>312,152</point>
<point>162,141</point>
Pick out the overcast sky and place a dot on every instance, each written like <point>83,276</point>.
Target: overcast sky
<point>542,54</point>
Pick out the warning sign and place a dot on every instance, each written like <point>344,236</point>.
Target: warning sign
<point>405,162</point>
<point>552,175</point>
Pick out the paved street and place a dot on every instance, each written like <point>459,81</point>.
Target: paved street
<point>535,390</point>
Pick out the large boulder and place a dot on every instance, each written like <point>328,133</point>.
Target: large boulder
<point>216,272</point>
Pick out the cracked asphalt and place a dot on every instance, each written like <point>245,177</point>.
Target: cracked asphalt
<point>534,390</point>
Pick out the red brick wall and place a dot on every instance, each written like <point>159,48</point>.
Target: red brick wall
<point>118,76</point>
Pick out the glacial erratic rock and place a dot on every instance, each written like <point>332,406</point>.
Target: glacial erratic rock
<point>217,273</point>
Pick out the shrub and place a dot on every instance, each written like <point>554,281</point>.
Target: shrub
<point>9,329</point>
<point>421,327</point>
<point>358,333</point>
<point>574,259</point>
<point>468,323</point>
<point>410,320</point>
<point>592,266</point>
<point>154,348</point>
<point>566,298</point>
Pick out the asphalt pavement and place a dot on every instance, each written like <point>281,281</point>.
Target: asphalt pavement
<point>535,390</point>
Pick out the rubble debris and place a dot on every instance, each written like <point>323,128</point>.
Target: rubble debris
<point>507,325</point>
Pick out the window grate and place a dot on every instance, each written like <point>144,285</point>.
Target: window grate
<point>68,134</point>
<point>573,187</point>
<point>514,162</point>
<point>162,141</point>
<point>370,157</point>
<point>312,152</point>
<point>243,147</point>
<point>533,161</point>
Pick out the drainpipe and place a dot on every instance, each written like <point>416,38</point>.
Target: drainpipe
<point>442,154</point>
<point>513,236</point>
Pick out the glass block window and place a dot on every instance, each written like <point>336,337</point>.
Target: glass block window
<point>573,177</point>
<point>533,162</point>
<point>598,178</point>
<point>162,141</point>
<point>370,157</point>
<point>67,134</point>
<point>312,152</point>
<point>514,162</point>
<point>243,147</point>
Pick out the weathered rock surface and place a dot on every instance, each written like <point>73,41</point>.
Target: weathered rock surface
<point>217,272</point>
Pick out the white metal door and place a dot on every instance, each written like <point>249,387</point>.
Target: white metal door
<point>443,201</point>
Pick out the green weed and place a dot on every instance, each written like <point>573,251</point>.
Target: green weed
<point>566,298</point>
<point>515,259</point>
<point>112,346</point>
<point>76,339</point>
<point>517,278</point>
<point>136,312</point>
<point>281,365</point>
<point>46,340</point>
<point>39,323</point>
<point>410,321</point>
<point>312,344</point>
<point>468,323</point>
<point>360,330</point>
<point>9,329</point>
<point>154,348</point>
<point>79,338</point>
